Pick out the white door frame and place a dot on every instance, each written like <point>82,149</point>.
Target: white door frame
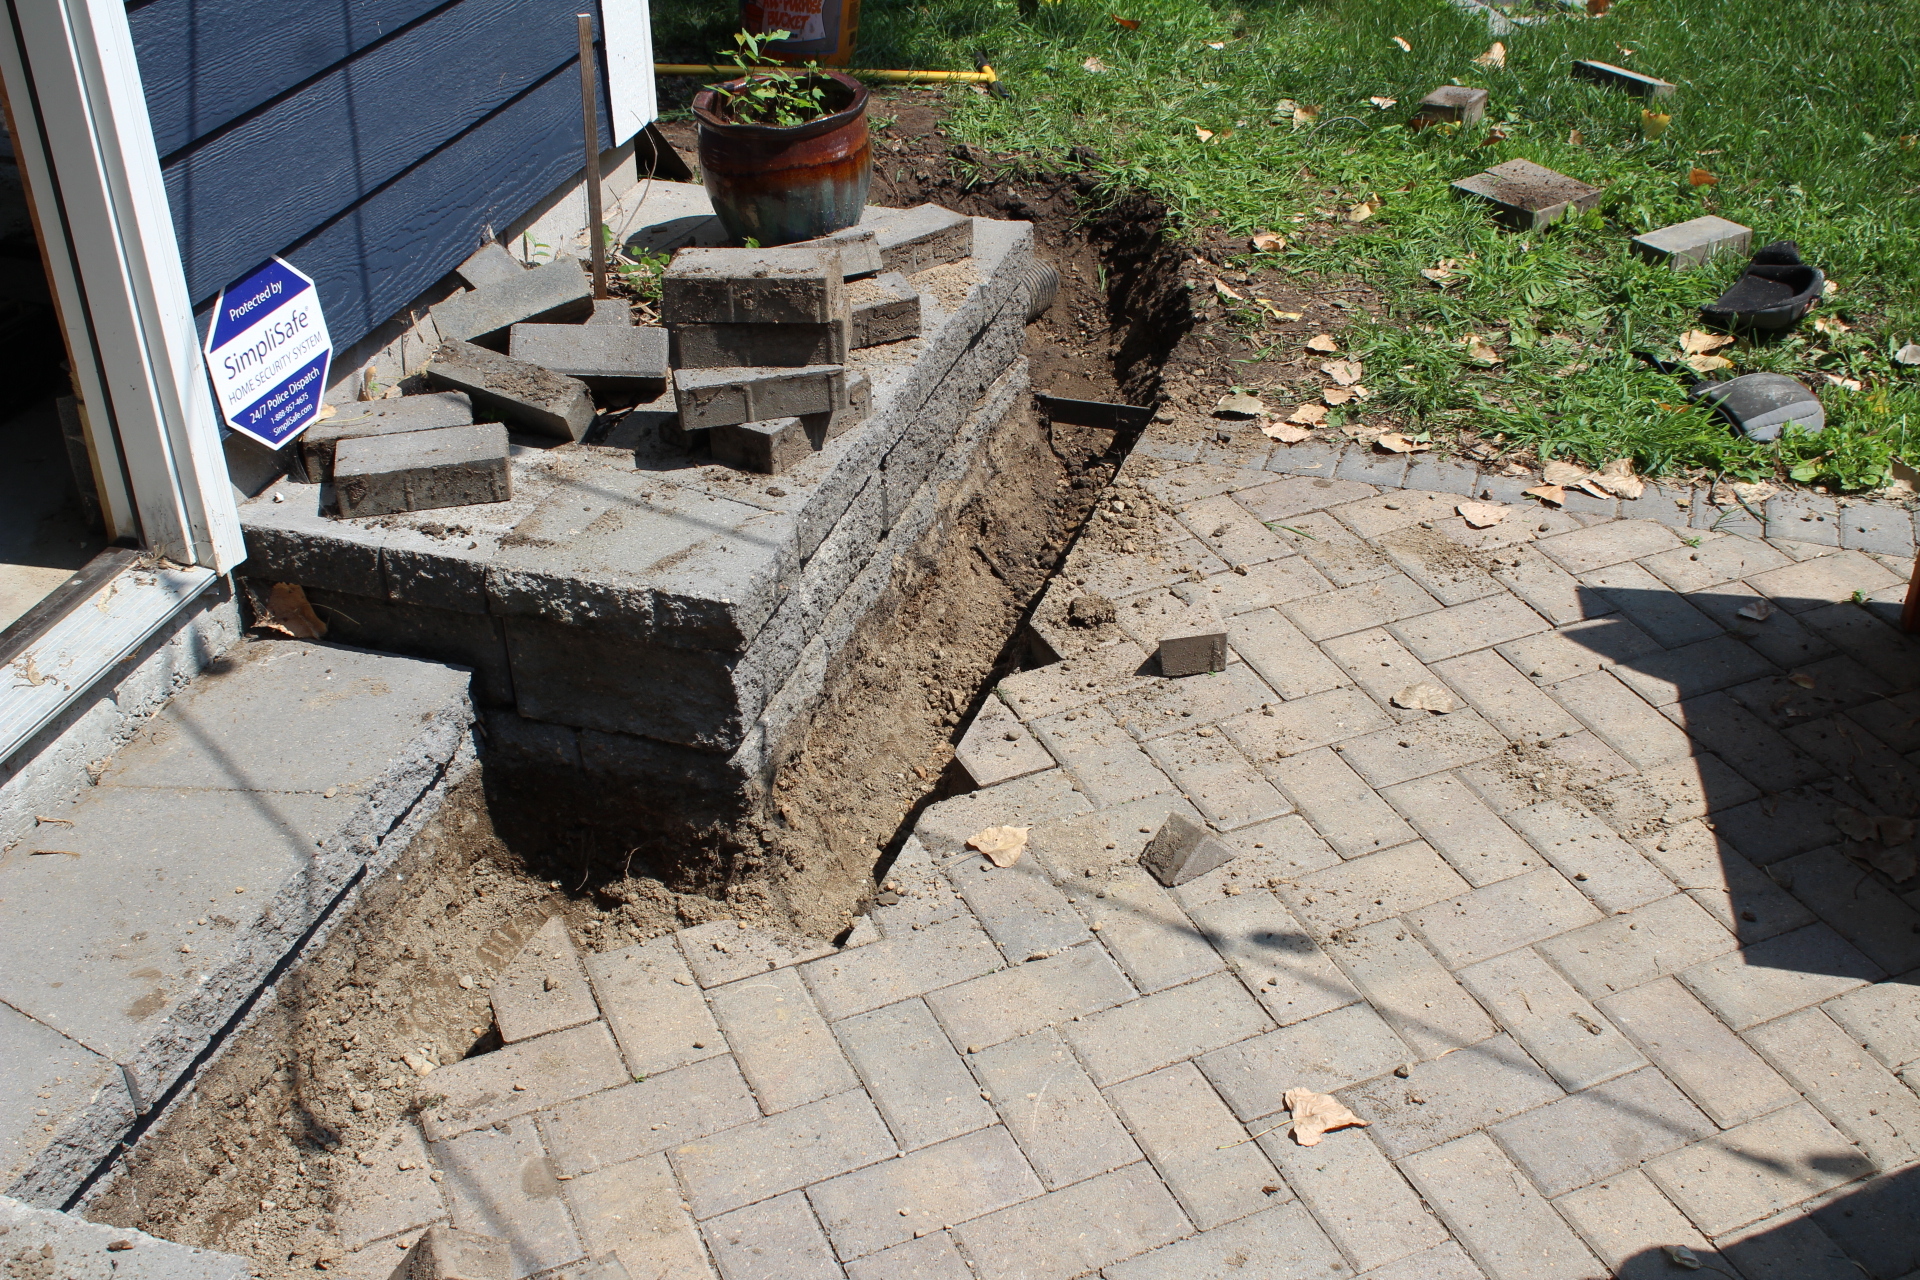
<point>85,148</point>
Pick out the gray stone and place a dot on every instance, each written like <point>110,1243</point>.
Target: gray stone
<point>725,396</point>
<point>1192,645</point>
<point>1184,850</point>
<point>1612,77</point>
<point>753,286</point>
<point>422,470</point>
<point>490,264</point>
<point>1597,1132</point>
<point>778,1237</point>
<point>1690,243</point>
<point>39,1244</point>
<point>624,357</point>
<point>611,311</point>
<point>375,418</point>
<point>782,1044</point>
<point>522,394</point>
<point>1509,1229</point>
<point>912,240</point>
<point>544,989</point>
<point>859,250</point>
<point>556,292</point>
<point>1525,195</point>
<point>913,1074</point>
<point>446,1253</point>
<point>1060,1120</point>
<point>885,309</point>
<point>769,447</point>
<point>770,346</point>
<point>1453,104</point>
<point>887,1203</point>
<point>782,1153</point>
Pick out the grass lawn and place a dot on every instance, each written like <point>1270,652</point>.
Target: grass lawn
<point>1806,113</point>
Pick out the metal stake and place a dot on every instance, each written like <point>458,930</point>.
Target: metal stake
<point>589,73</point>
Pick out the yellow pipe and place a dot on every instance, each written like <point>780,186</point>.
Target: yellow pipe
<point>983,76</point>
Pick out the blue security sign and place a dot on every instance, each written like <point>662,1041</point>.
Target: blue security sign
<point>268,352</point>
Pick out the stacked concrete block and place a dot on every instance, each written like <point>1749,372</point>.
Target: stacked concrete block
<point>557,292</point>
<point>779,346</point>
<point>753,286</point>
<point>920,238</point>
<point>379,418</point>
<point>769,447</point>
<point>422,470</point>
<point>604,356</point>
<point>885,309</point>
<point>724,397</point>
<point>521,394</point>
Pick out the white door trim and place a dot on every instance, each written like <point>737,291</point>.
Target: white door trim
<point>85,146</point>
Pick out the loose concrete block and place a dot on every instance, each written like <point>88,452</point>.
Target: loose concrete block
<point>769,447</point>
<point>379,418</point>
<point>557,292</point>
<point>422,470</point>
<point>779,346</point>
<point>1184,850</point>
<point>1452,104</point>
<point>445,1253</point>
<point>859,250</point>
<point>600,355</point>
<point>726,396</point>
<point>1688,244</point>
<point>753,286</point>
<point>544,989</point>
<point>850,410</point>
<point>490,264</point>
<point>521,394</point>
<point>534,1075</point>
<point>1525,195</point>
<point>1193,646</point>
<point>611,311</point>
<point>885,309</point>
<point>924,236</point>
<point>1612,77</point>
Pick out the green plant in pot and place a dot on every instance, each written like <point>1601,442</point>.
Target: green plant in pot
<point>783,151</point>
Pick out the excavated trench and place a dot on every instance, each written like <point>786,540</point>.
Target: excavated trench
<point>249,1159</point>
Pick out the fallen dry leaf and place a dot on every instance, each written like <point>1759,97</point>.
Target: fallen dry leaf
<point>1759,610</point>
<point>1002,845</point>
<point>1893,829</point>
<point>1482,515</point>
<point>1131,24</point>
<point>1832,326</point>
<point>1425,696</point>
<point>1699,177</point>
<point>1394,442</point>
<point>1383,103</point>
<point>1909,354</point>
<point>1322,342</point>
<point>1617,478</point>
<point>1707,364</point>
<point>1698,341</point>
<point>1205,135</point>
<point>1309,414</point>
<point>1563,473</point>
<point>1591,487</point>
<point>1496,56</point>
<point>1549,493</point>
<point>1653,123</point>
<point>1241,404</point>
<point>1802,679</point>
<point>1216,44</point>
<point>1441,272</point>
<point>1283,316</point>
<point>1336,395</point>
<point>1094,65</point>
<point>1286,432</point>
<point>1575,138</point>
<point>1905,478</point>
<point>1226,290</point>
<point>1315,1114</point>
<point>1494,135</point>
<point>1360,212</point>
<point>1477,349</point>
<point>1344,372</point>
<point>1597,7</point>
<point>1404,46</point>
<point>1898,864</point>
<point>1846,384</point>
<point>1854,825</point>
<point>1304,115</point>
<point>286,611</point>
<point>1269,242</point>
<point>1361,392</point>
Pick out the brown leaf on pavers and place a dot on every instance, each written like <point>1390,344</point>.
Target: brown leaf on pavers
<point>1759,610</point>
<point>1898,864</point>
<point>1699,177</point>
<point>1617,478</point>
<point>1383,102</point>
<point>1853,824</point>
<point>1336,395</point>
<point>1241,405</point>
<point>1344,372</point>
<point>1309,414</point>
<point>1315,1114</point>
<point>1591,486</point>
<point>1286,432</point>
<point>1478,350</point>
<point>1563,473</point>
<point>1892,829</point>
<point>1482,515</point>
<point>1402,42</point>
<point>1802,679</point>
<point>1002,845</point>
<point>285,611</point>
<point>1394,442</point>
<point>1425,696</point>
<point>1496,56</point>
<point>1322,342</point>
<point>1698,341</point>
<point>1549,493</point>
<point>1269,242</point>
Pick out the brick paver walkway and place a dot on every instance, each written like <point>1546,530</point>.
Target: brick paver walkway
<point>1588,951</point>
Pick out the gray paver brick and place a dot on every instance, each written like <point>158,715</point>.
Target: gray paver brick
<point>1876,645</point>
<point>1602,865</point>
<point>1220,781</point>
<point>1500,917</point>
<point>1803,517</point>
<point>1742,740</point>
<point>1725,1078</point>
<point>1627,951</point>
<point>645,1117</point>
<point>1693,669</point>
<point>500,1183</point>
<point>544,989</point>
<point>1334,551</point>
<point>380,1199</point>
<point>1860,909</point>
<point>781,1042</point>
<point>1440,565</point>
<point>1273,955</point>
<point>1788,1246</point>
<point>1606,544</point>
<point>533,1075</point>
<point>1026,997</point>
<point>1838,684</point>
<point>1509,701</point>
<point>1324,1053</point>
<point>723,951</point>
<point>1265,586</point>
<point>1597,1132</point>
<point>1147,933</point>
<point>1578,649</point>
<point>1375,887</point>
<point>1422,747</point>
<point>1277,850</point>
<point>1356,608</point>
<point>1465,627</point>
<point>1672,794</point>
<point>1105,761</point>
<point>1048,796</point>
<point>1768,979</point>
<point>1573,764</point>
<point>1743,898</point>
<point>1552,592</point>
<point>1059,1119</point>
<point>895,968</point>
<point>928,1258</point>
<point>781,1153</point>
<point>1508,1228</point>
<point>913,1074</point>
<point>1285,659</point>
<point>1158,1030</point>
<point>1627,1221</point>
<point>1846,1083</point>
<point>1782,639</point>
<point>1884,1018</point>
<point>1551,1020</point>
<point>1466,1090</point>
<point>1021,909</point>
<point>1367,466</point>
<point>1076,1230</point>
<point>1380,665</point>
<point>1877,526</point>
<point>654,1006</point>
<point>1297,495</point>
<point>1161,707</point>
<point>1410,989</point>
<point>1713,562</point>
<point>1395,509</point>
<point>998,747</point>
<point>1662,613</point>
<point>1448,1262</point>
<point>937,1187</point>
<point>1348,813</point>
<point>1827,580</point>
<point>634,1212</point>
<point>1303,724</point>
<point>775,1240</point>
<point>1234,536</point>
<point>1310,458</point>
<point>1281,1243</point>
<point>1746,1173</point>
<point>1622,719</point>
<point>1357,1197</point>
<point>1200,1150</point>
<point>1457,823</point>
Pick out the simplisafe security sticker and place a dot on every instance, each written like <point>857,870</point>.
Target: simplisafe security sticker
<point>268,352</point>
